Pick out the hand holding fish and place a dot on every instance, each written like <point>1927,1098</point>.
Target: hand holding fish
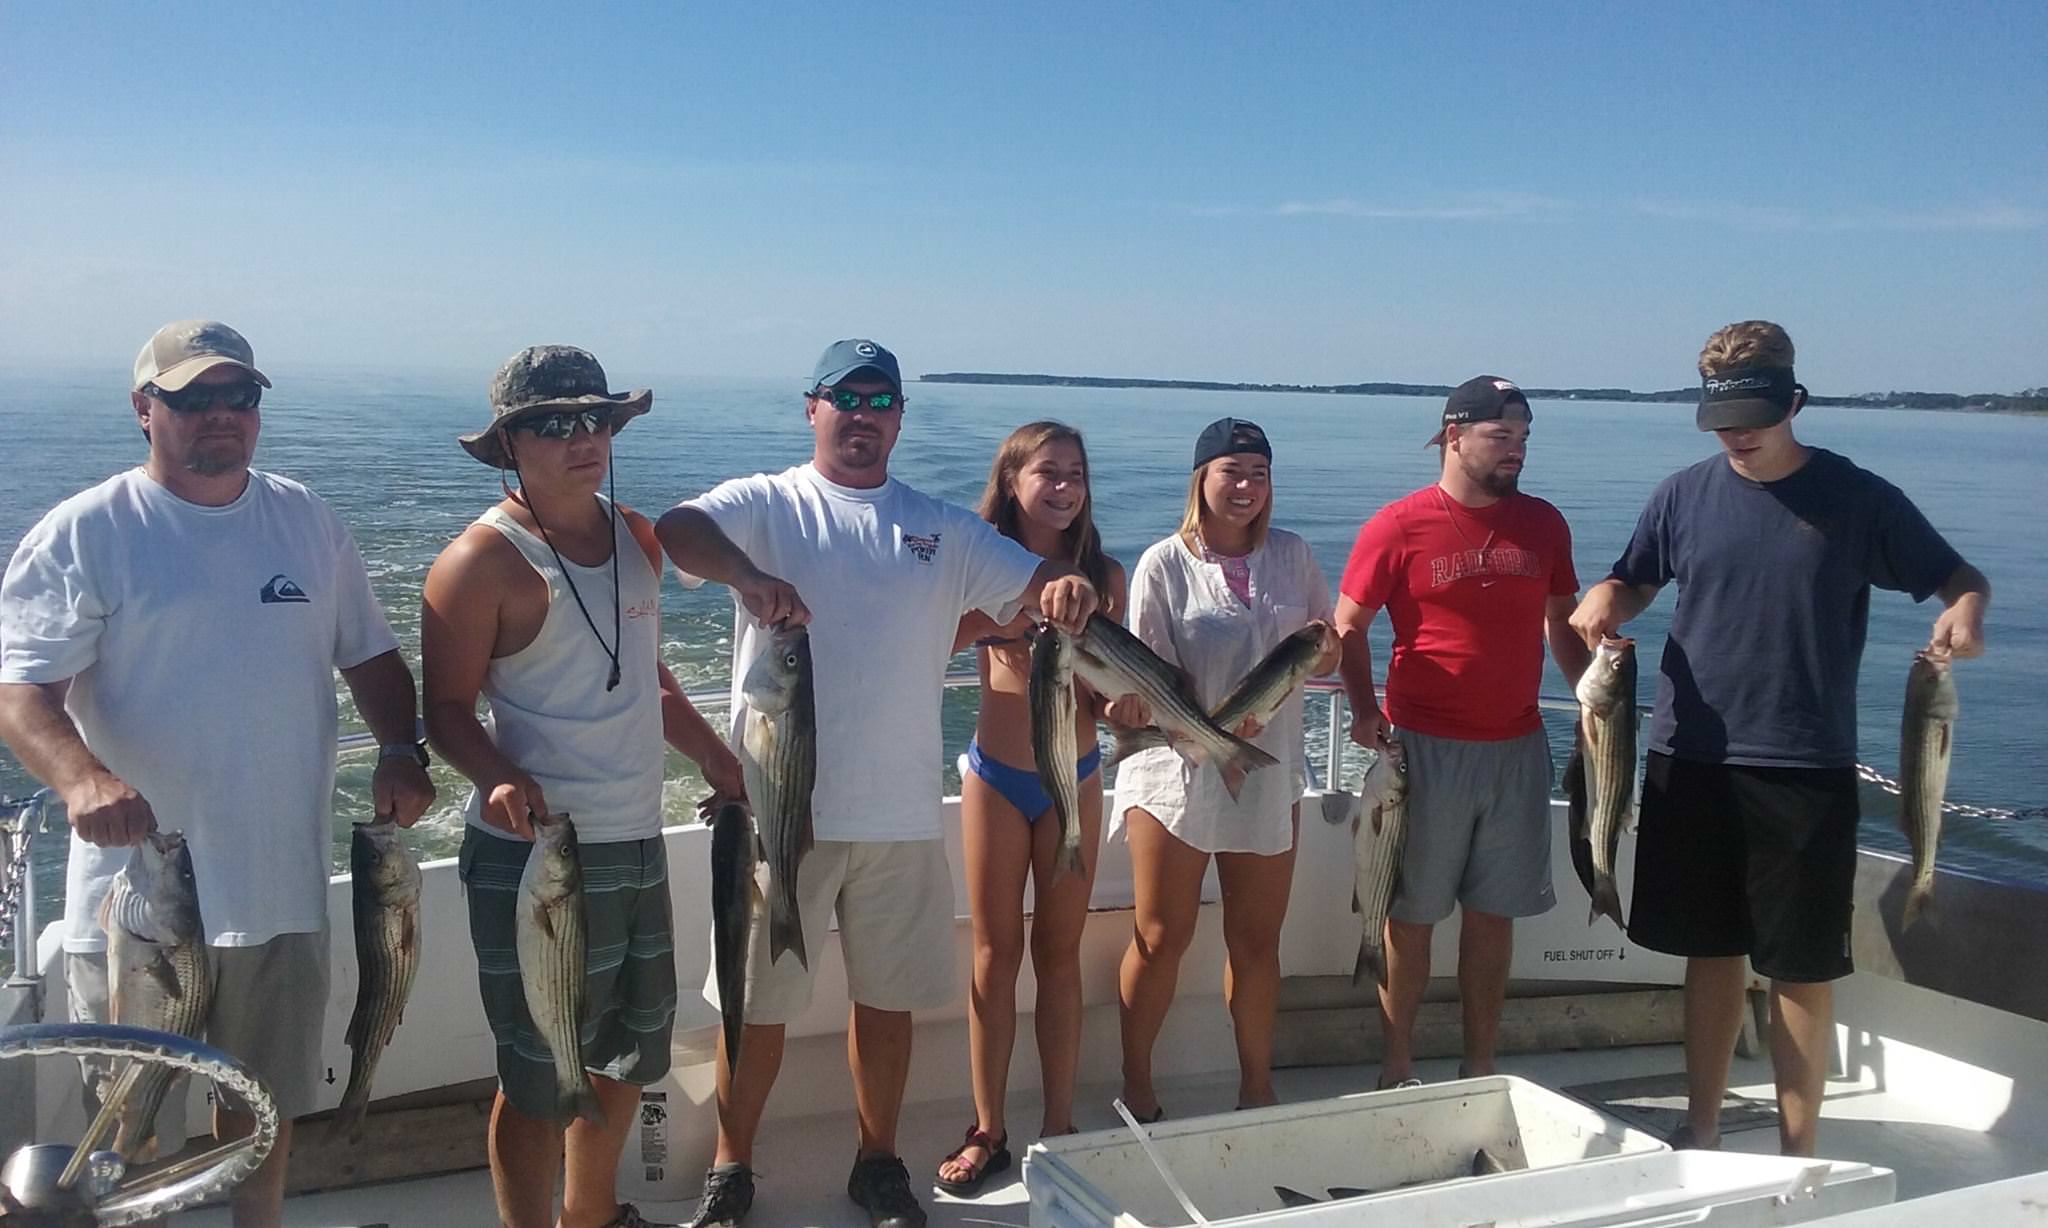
<point>401,789</point>
<point>728,781</point>
<point>105,811</point>
<point>1067,602</point>
<point>773,602</point>
<point>1372,730</point>
<point>513,804</point>
<point>1128,712</point>
<point>1959,631</point>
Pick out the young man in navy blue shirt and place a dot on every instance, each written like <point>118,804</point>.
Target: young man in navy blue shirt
<point>1747,837</point>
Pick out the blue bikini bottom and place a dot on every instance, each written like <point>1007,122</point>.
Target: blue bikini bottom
<point>1019,786</point>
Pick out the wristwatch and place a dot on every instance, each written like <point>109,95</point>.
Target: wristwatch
<point>415,751</point>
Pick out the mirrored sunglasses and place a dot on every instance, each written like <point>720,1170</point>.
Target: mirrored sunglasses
<point>562,423</point>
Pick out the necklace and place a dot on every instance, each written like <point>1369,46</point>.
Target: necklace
<point>612,649</point>
<point>1455,528</point>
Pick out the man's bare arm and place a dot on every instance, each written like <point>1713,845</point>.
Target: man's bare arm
<point>102,808</point>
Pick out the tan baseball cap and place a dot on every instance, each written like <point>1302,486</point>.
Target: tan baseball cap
<point>183,349</point>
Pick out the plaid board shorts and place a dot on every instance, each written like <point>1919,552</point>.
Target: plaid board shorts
<point>629,975</point>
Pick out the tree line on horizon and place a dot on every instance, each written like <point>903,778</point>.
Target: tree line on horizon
<point>2026,401</point>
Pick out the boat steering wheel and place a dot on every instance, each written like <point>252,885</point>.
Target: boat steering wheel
<point>87,1185</point>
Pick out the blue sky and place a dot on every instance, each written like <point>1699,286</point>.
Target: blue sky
<point>1568,194</point>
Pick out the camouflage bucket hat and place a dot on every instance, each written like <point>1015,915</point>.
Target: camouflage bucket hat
<point>543,378</point>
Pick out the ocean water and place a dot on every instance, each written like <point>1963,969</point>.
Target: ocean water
<point>381,450</point>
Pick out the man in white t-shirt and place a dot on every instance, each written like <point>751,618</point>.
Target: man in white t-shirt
<point>168,642</point>
<point>884,572</point>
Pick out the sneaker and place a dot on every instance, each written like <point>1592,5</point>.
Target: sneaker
<point>728,1196</point>
<point>881,1186</point>
<point>629,1217</point>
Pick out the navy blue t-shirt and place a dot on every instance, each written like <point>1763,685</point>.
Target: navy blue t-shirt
<point>1774,586</point>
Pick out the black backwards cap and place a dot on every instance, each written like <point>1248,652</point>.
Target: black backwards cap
<point>1747,398</point>
<point>1483,398</point>
<point>1229,435</point>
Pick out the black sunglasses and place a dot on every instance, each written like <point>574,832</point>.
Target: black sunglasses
<point>241,396</point>
<point>563,423</point>
<point>848,402</point>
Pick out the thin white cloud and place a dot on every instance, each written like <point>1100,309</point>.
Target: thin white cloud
<point>1995,216</point>
<point>1487,208</point>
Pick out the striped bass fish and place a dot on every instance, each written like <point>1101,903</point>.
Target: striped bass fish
<point>1600,779</point>
<point>781,765</point>
<point>732,918</point>
<point>550,941</point>
<point>1259,694</point>
<point>1053,738</point>
<point>158,976</point>
<point>1115,663</point>
<point>384,894</point>
<point>1379,835</point>
<point>1926,736</point>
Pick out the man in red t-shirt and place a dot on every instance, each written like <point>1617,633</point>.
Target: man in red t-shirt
<point>1475,577</point>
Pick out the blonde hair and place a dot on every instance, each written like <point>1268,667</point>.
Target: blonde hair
<point>1191,516</point>
<point>999,498</point>
<point>1752,343</point>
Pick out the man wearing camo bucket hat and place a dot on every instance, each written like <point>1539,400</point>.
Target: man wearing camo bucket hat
<point>549,606</point>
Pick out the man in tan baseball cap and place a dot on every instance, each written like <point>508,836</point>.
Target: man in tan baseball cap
<point>168,645</point>
<point>184,349</point>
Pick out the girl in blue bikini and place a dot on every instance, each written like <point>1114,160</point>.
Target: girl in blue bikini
<point>1038,494</point>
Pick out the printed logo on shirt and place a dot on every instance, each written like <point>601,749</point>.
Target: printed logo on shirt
<point>646,609</point>
<point>1496,561</point>
<point>925,548</point>
<point>281,589</point>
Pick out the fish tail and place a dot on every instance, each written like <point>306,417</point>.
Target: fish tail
<point>786,929</point>
<point>1372,962</point>
<point>1606,902</point>
<point>1243,761</point>
<point>347,1124</point>
<point>1916,903</point>
<point>1068,861</point>
<point>583,1103</point>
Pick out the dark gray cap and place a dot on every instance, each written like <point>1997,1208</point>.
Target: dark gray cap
<point>1483,398</point>
<point>542,378</point>
<point>843,358</point>
<point>1747,399</point>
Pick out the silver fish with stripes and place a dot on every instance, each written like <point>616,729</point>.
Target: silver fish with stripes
<point>1379,837</point>
<point>1927,732</point>
<point>1117,663</point>
<point>781,766</point>
<point>550,938</point>
<point>1054,746</point>
<point>1600,779</point>
<point>158,976</point>
<point>384,894</point>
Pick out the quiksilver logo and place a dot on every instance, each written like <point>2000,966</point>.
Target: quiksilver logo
<point>281,589</point>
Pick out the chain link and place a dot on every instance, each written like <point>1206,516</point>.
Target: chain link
<point>1871,775</point>
<point>20,828</point>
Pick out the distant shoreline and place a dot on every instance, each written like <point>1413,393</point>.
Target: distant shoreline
<point>2031,401</point>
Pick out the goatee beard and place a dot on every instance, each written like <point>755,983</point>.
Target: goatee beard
<point>1499,485</point>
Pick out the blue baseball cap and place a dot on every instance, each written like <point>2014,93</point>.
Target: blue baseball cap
<point>844,358</point>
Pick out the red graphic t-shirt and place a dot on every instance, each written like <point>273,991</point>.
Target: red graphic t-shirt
<point>1465,589</point>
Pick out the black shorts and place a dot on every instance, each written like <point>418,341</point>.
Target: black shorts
<point>1756,861</point>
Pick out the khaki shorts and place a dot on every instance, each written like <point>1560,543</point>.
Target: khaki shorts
<point>269,1008</point>
<point>894,901</point>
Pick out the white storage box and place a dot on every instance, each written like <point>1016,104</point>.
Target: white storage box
<point>1230,1163</point>
<point>2016,1202</point>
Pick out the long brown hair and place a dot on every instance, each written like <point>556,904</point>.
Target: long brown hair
<point>1082,544</point>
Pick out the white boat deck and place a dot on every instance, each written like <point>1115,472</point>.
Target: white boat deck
<point>802,1162</point>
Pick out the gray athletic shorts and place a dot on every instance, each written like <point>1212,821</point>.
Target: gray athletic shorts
<point>269,1004</point>
<point>1478,828</point>
<point>629,974</point>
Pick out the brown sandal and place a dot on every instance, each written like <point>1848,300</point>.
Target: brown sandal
<point>998,1160</point>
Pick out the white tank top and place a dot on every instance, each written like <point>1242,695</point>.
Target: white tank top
<point>597,754</point>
